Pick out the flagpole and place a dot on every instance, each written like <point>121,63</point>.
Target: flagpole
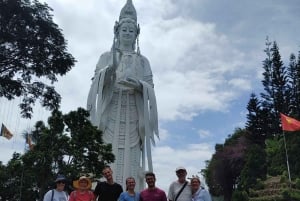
<point>287,158</point>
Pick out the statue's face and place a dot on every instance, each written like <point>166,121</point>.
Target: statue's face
<point>127,33</point>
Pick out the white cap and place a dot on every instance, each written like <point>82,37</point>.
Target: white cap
<point>180,168</point>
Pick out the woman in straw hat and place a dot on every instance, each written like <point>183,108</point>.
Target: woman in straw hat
<point>82,192</point>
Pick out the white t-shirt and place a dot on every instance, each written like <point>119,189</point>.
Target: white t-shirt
<point>57,196</point>
<point>175,187</point>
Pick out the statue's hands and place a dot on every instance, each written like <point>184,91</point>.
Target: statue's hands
<point>131,82</point>
<point>111,71</point>
<point>135,82</point>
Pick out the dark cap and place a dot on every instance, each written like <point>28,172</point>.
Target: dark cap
<point>60,177</point>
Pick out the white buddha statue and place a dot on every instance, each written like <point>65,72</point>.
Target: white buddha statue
<point>122,102</point>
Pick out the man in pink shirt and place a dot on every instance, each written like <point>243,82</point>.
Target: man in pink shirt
<point>152,193</point>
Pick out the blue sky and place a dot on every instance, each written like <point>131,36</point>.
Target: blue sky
<point>206,57</point>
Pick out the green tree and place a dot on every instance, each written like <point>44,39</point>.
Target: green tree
<point>69,145</point>
<point>297,86</point>
<point>11,185</point>
<point>293,76</point>
<point>222,173</point>
<point>32,54</point>
<point>255,167</point>
<point>277,95</point>
<point>258,121</point>
<point>293,73</point>
<point>252,153</point>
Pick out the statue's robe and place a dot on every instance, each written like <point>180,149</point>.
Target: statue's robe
<point>127,116</point>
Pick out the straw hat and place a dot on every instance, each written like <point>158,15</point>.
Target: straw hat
<point>76,183</point>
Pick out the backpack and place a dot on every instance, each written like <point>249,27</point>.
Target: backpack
<point>52,194</point>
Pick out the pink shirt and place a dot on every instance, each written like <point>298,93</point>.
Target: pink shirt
<point>153,195</point>
<point>81,196</point>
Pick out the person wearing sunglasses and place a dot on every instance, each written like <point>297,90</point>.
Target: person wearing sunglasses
<point>58,193</point>
<point>180,190</point>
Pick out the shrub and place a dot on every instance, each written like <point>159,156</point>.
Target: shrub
<point>240,196</point>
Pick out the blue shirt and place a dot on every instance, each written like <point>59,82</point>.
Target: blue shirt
<point>201,195</point>
<point>126,197</point>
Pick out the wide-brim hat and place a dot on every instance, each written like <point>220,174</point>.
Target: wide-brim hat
<point>89,182</point>
<point>60,178</point>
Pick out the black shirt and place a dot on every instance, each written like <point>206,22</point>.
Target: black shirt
<point>108,192</point>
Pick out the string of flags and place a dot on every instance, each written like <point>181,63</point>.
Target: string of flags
<point>29,142</point>
<point>8,135</point>
<point>5,132</point>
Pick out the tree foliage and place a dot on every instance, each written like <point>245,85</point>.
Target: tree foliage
<point>223,171</point>
<point>69,145</point>
<point>32,54</point>
<point>275,156</point>
<point>258,121</point>
<point>264,150</point>
<point>255,167</point>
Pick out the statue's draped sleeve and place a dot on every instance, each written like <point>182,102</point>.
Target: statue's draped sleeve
<point>100,84</point>
<point>148,124</point>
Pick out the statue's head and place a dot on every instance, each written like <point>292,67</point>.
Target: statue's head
<point>127,22</point>
<point>128,11</point>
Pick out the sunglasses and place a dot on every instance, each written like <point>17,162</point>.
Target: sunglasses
<point>180,171</point>
<point>61,182</point>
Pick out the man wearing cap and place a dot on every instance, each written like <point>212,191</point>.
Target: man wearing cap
<point>57,194</point>
<point>82,192</point>
<point>180,190</point>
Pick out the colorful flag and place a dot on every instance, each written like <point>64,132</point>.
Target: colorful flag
<point>289,124</point>
<point>29,142</point>
<point>5,132</point>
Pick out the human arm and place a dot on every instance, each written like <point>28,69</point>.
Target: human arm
<point>141,196</point>
<point>97,190</point>
<point>72,198</point>
<point>164,197</point>
<point>206,196</point>
<point>119,190</point>
<point>122,197</point>
<point>170,192</point>
<point>47,196</point>
<point>92,196</point>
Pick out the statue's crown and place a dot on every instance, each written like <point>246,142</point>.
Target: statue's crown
<point>128,11</point>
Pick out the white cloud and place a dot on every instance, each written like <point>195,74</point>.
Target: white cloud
<point>163,134</point>
<point>187,57</point>
<point>204,133</point>
<point>166,159</point>
<point>240,83</point>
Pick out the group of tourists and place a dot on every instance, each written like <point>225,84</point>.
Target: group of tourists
<point>179,190</point>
